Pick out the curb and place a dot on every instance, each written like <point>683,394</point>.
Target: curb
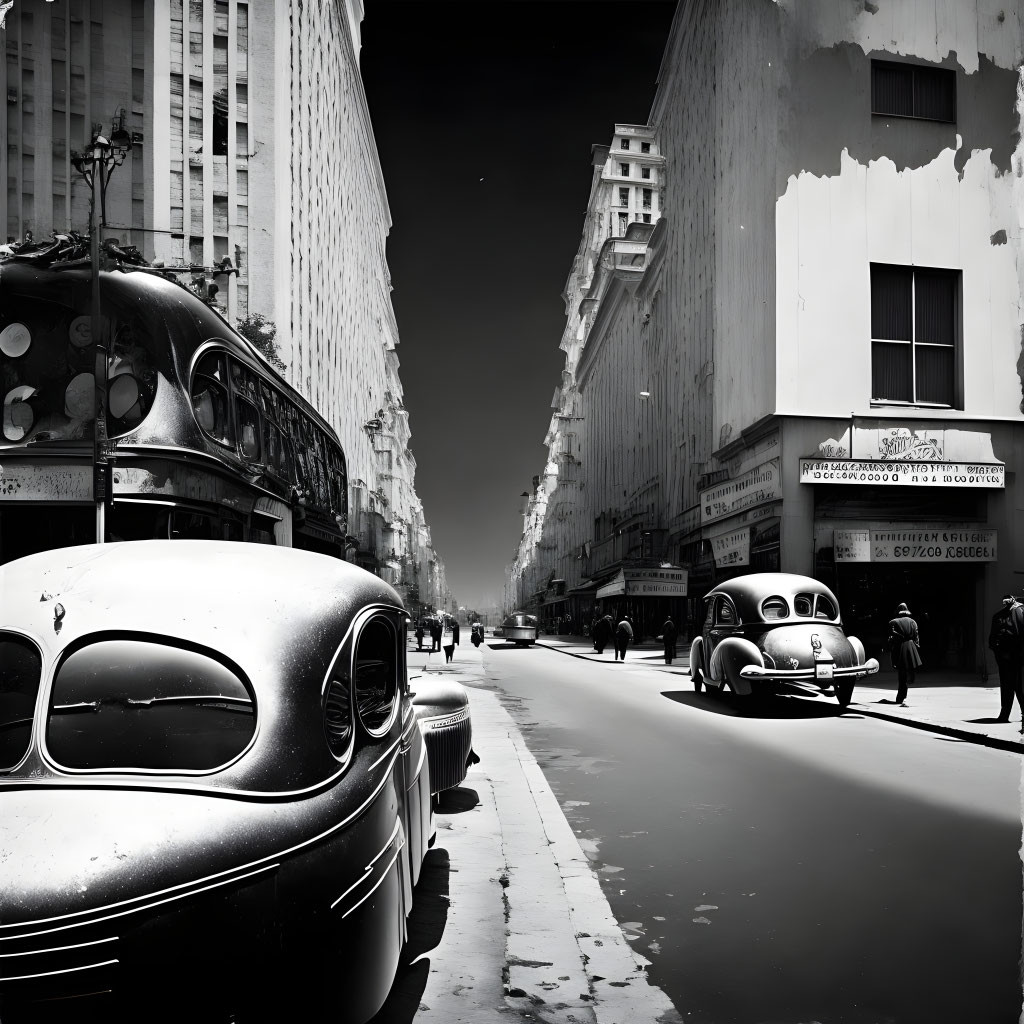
<point>980,738</point>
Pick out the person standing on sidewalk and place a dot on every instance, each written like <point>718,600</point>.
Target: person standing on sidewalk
<point>623,634</point>
<point>1006,640</point>
<point>669,634</point>
<point>904,644</point>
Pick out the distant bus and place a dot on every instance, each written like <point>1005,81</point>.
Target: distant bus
<point>207,440</point>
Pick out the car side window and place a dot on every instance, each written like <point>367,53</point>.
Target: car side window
<point>803,605</point>
<point>824,608</point>
<point>376,674</point>
<point>709,615</point>
<point>726,614</point>
<point>20,670</point>
<point>774,608</point>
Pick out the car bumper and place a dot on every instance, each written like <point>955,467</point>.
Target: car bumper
<point>809,675</point>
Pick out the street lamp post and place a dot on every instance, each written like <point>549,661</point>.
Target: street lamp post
<point>96,167</point>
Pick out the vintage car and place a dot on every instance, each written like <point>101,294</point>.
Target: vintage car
<point>214,790</point>
<point>772,630</point>
<point>520,629</point>
<point>442,709</point>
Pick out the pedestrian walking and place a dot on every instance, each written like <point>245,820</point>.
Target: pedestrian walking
<point>669,635</point>
<point>419,636</point>
<point>455,633</point>
<point>623,634</point>
<point>1006,641</point>
<point>904,645</point>
<point>435,635</point>
<point>602,633</point>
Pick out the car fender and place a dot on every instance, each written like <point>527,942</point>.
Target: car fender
<point>732,654</point>
<point>697,656</point>
<point>858,650</point>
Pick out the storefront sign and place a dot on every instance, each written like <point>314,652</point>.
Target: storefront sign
<point>906,474</point>
<point>654,582</point>
<point>754,487</point>
<point>732,548</point>
<point>70,482</point>
<point>916,545</point>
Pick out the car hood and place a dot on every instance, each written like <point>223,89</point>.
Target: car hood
<point>74,851</point>
<point>792,646</point>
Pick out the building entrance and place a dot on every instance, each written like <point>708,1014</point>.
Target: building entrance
<point>942,598</point>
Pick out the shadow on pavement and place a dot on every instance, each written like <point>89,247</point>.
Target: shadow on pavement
<point>783,706</point>
<point>457,800</point>
<point>508,645</point>
<point>426,926</point>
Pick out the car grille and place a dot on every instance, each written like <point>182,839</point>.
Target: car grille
<point>449,741</point>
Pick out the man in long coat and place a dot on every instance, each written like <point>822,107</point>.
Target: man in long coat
<point>904,644</point>
<point>1006,641</point>
<point>602,633</point>
<point>669,634</point>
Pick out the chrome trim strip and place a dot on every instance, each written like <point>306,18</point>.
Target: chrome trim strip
<point>384,875</point>
<point>369,866</point>
<point>385,754</point>
<point>66,970</point>
<point>59,949</point>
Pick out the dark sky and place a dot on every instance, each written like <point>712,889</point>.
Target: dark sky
<point>484,113</point>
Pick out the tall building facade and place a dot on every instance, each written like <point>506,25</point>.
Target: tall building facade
<point>817,366</point>
<point>624,204</point>
<point>252,142</point>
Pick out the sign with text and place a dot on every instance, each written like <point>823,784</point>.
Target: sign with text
<point>916,545</point>
<point>732,548</point>
<point>902,473</point>
<point>754,487</point>
<point>50,481</point>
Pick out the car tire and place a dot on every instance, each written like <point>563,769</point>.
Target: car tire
<point>844,693</point>
<point>697,677</point>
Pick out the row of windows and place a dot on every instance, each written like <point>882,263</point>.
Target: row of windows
<point>645,147</point>
<point>238,409</point>
<point>645,172</point>
<point>648,195</point>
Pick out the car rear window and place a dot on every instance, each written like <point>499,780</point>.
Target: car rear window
<point>20,669</point>
<point>803,605</point>
<point>824,608</point>
<point>774,608</point>
<point>130,704</point>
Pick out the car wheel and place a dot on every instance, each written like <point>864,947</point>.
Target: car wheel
<point>844,691</point>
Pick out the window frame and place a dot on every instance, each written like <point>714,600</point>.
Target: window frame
<point>30,642</point>
<point>956,382</point>
<point>913,70</point>
<point>387,616</point>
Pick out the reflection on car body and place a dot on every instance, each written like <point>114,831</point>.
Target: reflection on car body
<point>213,784</point>
<point>766,630</point>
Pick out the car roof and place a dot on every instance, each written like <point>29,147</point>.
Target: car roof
<point>748,591</point>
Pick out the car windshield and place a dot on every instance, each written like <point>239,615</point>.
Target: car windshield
<point>20,669</point>
<point>139,704</point>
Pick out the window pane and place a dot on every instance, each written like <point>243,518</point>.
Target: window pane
<point>935,374</point>
<point>891,372</point>
<point>935,94</point>
<point>891,293</point>
<point>248,430</point>
<point>934,307</point>
<point>20,670</point>
<point>120,704</point>
<point>892,90</point>
<point>376,674</point>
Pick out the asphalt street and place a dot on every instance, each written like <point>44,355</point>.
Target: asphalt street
<point>786,863</point>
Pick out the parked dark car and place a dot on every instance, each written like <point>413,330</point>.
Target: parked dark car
<point>442,709</point>
<point>773,630</point>
<point>214,791</point>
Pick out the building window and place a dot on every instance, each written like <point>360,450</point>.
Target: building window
<point>912,90</point>
<point>645,172</point>
<point>645,147</point>
<point>647,218</point>
<point>622,223</point>
<point>624,170</point>
<point>914,332</point>
<point>647,198</point>
<point>623,197</point>
<point>624,144</point>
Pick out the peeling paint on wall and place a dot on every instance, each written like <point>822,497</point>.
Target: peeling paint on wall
<point>999,238</point>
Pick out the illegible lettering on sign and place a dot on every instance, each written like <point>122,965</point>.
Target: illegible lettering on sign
<point>941,545</point>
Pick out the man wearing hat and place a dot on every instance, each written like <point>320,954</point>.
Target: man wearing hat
<point>1006,641</point>
<point>904,643</point>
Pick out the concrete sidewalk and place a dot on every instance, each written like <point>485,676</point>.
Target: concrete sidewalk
<point>527,932</point>
<point>940,701</point>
